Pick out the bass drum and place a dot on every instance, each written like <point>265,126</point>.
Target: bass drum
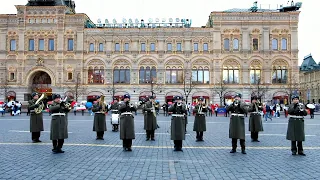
<point>115,118</point>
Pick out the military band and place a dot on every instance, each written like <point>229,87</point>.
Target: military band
<point>36,117</point>
<point>99,121</point>
<point>255,120</point>
<point>236,126</point>
<point>150,118</point>
<point>295,131</point>
<point>178,111</point>
<point>114,110</point>
<point>127,132</point>
<point>59,128</point>
<point>200,119</point>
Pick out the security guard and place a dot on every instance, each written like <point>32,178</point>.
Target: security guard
<point>255,121</point>
<point>36,120</point>
<point>200,119</point>
<point>150,118</point>
<point>99,121</point>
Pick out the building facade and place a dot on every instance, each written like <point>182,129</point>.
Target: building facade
<point>310,80</point>
<point>53,49</point>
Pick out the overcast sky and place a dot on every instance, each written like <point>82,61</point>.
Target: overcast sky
<point>197,10</point>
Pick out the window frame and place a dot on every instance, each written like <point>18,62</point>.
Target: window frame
<point>126,47</point>
<point>49,45</point>
<point>226,44</point>
<point>284,71</point>
<point>179,49</point>
<point>169,47</point>
<point>13,47</point>
<point>39,45</point>
<point>255,44</point>
<point>101,47</point>
<point>282,44</point>
<point>70,44</point>
<point>152,47</point>
<point>255,75</point>
<point>31,45</point>
<point>233,44</point>
<point>68,76</point>
<point>196,47</point>
<point>143,47</point>
<point>117,47</point>
<point>205,47</point>
<point>172,70</point>
<point>227,81</point>
<point>127,71</point>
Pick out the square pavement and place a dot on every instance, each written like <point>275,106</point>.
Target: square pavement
<point>87,158</point>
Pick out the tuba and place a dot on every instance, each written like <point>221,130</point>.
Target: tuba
<point>39,109</point>
<point>102,104</point>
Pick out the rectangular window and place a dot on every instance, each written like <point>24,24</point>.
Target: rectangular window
<point>91,47</point>
<point>11,76</point>
<point>69,76</point>
<point>179,47</point>
<point>205,47</point>
<point>126,47</point>
<point>255,44</point>
<point>41,44</point>
<point>143,47</point>
<point>51,45</point>
<point>12,45</point>
<point>169,47</point>
<point>101,47</point>
<point>117,47</point>
<point>195,47</point>
<point>152,47</point>
<point>70,44</point>
<point>31,44</point>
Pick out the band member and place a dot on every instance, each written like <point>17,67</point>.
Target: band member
<point>36,120</point>
<point>178,111</point>
<point>150,118</point>
<point>59,127</point>
<point>295,132</point>
<point>236,126</point>
<point>255,121</point>
<point>99,120</point>
<point>114,110</point>
<point>200,119</point>
<point>127,122</point>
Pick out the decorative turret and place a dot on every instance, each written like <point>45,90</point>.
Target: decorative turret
<point>68,3</point>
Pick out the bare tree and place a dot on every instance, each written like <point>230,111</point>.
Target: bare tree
<point>112,89</point>
<point>291,87</point>
<point>220,88</point>
<point>187,84</point>
<point>259,89</point>
<point>78,89</point>
<point>4,86</point>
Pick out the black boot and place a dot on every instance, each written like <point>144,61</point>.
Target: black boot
<point>55,143</point>
<point>234,146</point>
<point>198,136</point>
<point>243,146</point>
<point>148,135</point>
<point>201,136</point>
<point>152,135</point>
<point>294,147</point>
<point>300,149</point>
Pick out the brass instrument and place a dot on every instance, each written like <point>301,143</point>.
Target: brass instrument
<point>39,109</point>
<point>102,104</point>
<point>67,105</point>
<point>236,102</point>
<point>301,107</point>
<point>179,104</point>
<point>153,109</point>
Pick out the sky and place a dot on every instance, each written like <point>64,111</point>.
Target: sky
<point>198,11</point>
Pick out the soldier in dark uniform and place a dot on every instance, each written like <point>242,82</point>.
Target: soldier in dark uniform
<point>236,126</point>
<point>59,127</point>
<point>99,121</point>
<point>150,118</point>
<point>114,109</point>
<point>295,132</point>
<point>178,111</point>
<point>200,119</point>
<point>36,120</point>
<point>255,121</point>
<point>127,122</point>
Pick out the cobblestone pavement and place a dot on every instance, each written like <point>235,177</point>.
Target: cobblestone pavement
<point>86,158</point>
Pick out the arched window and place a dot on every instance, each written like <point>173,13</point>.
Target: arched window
<point>274,44</point>
<point>226,44</point>
<point>231,75</point>
<point>255,75</point>
<point>174,75</point>
<point>91,47</point>
<point>147,75</point>
<point>121,75</point>
<point>235,44</point>
<point>200,75</point>
<point>284,44</point>
<point>279,75</point>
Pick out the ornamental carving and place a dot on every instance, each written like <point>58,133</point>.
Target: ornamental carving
<point>148,62</point>
<point>256,31</point>
<point>279,62</point>
<point>201,62</point>
<point>69,68</point>
<point>231,31</point>
<point>96,62</point>
<point>255,64</point>
<point>122,62</point>
<point>39,62</point>
<point>231,63</point>
<point>174,62</point>
<point>11,69</point>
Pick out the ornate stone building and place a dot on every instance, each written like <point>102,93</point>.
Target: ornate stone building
<point>53,49</point>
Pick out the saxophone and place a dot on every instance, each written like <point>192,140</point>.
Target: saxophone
<point>39,109</point>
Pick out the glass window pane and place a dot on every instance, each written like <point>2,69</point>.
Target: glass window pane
<point>148,75</point>
<point>12,45</point>
<point>116,75</point>
<point>143,47</point>
<point>258,75</point>
<point>180,76</point>
<point>195,76</point>
<point>41,44</point>
<point>178,46</point>
<point>225,76</point>
<point>142,75</point>
<point>154,73</point>
<point>173,76</point>
<point>200,76</point>
<point>168,76</point>
<point>122,75</point>
<point>101,47</point>
<point>226,44</point>
<point>274,76</point>
<point>195,46</point>
<point>169,47</point>
<point>128,76</point>
<point>31,45</point>
<point>284,44</point>
<point>236,76</point>
<point>235,44</point>
<point>274,44</point>
<point>279,76</point>
<point>205,47</point>
<point>255,44</point>
<point>231,80</point>
<point>152,47</point>
<point>70,44</point>
<point>90,76</point>
<point>117,47</point>
<point>91,47</point>
<point>284,76</point>
<point>126,47</point>
<point>206,76</point>
<point>252,77</point>
<point>51,45</point>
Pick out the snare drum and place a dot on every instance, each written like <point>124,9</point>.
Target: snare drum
<point>115,119</point>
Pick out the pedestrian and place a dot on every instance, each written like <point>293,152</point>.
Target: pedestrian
<point>59,126</point>
<point>178,111</point>
<point>295,131</point>
<point>200,119</point>
<point>99,120</point>
<point>236,126</point>
<point>150,118</point>
<point>216,110</point>
<point>127,132</point>
<point>36,120</point>
<point>255,122</point>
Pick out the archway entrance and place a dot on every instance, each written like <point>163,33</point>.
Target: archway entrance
<point>41,83</point>
<point>196,95</point>
<point>280,98</point>
<point>171,95</point>
<point>145,94</point>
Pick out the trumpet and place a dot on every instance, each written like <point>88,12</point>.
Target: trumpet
<point>179,104</point>
<point>300,106</point>
<point>66,105</point>
<point>39,109</point>
<point>236,102</point>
